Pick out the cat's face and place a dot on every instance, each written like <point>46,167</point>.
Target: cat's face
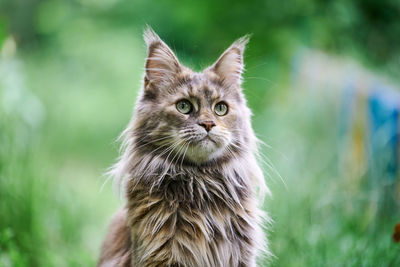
<point>185,116</point>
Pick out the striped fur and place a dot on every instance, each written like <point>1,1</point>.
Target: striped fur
<point>192,195</point>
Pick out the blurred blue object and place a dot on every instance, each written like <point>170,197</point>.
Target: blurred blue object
<point>383,147</point>
<point>383,117</point>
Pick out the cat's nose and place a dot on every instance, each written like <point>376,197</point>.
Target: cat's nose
<point>207,125</point>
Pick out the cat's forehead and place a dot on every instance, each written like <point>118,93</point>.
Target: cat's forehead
<point>201,85</point>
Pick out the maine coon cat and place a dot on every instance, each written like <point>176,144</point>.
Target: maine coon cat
<point>189,168</point>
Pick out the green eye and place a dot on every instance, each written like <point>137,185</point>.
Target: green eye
<point>184,106</point>
<point>221,109</point>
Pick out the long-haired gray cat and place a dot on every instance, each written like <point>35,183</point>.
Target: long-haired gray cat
<point>191,177</point>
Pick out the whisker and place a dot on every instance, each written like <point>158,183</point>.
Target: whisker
<point>151,142</point>
<point>184,154</point>
<point>266,161</point>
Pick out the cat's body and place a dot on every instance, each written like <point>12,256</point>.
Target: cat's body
<point>189,168</point>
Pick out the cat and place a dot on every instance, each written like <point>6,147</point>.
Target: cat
<point>189,169</point>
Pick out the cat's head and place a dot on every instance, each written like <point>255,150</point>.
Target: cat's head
<point>191,117</point>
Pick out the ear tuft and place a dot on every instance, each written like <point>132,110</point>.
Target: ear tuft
<point>241,42</point>
<point>229,67</point>
<point>162,66</point>
<point>150,36</point>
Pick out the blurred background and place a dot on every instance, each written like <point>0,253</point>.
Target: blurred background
<point>322,79</point>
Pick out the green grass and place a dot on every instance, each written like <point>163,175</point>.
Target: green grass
<point>77,95</point>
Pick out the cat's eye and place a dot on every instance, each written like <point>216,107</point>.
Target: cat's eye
<point>221,109</point>
<point>184,106</point>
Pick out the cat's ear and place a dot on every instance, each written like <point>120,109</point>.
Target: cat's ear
<point>229,67</point>
<point>162,66</point>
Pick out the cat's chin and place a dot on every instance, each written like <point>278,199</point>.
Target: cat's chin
<point>203,151</point>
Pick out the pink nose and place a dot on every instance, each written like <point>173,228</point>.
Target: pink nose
<point>207,125</point>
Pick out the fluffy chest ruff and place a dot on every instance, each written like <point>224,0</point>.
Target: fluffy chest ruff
<point>193,218</point>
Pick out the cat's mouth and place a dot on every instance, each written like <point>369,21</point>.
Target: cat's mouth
<point>206,142</point>
<point>209,138</point>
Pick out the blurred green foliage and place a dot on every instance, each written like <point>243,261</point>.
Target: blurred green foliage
<point>69,91</point>
<point>368,29</point>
